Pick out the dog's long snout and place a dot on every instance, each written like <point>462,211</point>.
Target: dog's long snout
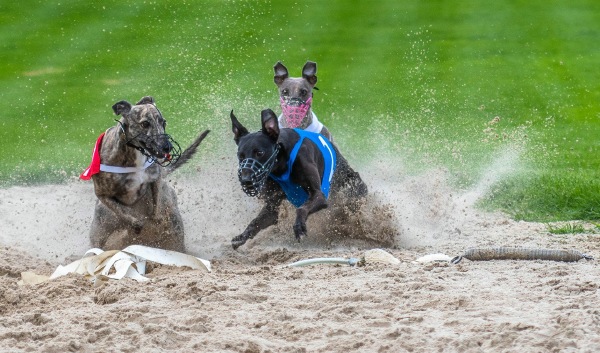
<point>249,176</point>
<point>167,147</point>
<point>248,183</point>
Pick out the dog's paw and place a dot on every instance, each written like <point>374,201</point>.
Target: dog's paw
<point>238,241</point>
<point>137,226</point>
<point>299,230</point>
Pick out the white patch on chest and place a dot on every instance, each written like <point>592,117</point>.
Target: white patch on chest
<point>141,178</point>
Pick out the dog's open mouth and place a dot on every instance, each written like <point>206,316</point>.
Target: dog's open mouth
<point>294,110</point>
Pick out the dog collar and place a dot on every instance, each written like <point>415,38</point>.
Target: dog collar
<point>97,167</point>
<point>125,170</point>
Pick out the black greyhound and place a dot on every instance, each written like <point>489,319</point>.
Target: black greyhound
<point>302,166</point>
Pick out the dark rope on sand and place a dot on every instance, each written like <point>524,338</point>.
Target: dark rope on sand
<point>520,253</point>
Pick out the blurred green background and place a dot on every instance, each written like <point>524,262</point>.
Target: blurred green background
<point>504,90</point>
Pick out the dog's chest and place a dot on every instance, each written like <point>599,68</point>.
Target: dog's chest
<point>129,188</point>
<point>138,184</point>
<point>139,179</point>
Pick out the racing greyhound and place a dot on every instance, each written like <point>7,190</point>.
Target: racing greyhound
<point>295,96</point>
<point>135,204</point>
<point>303,166</point>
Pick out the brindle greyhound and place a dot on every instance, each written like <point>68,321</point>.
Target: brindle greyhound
<point>295,94</point>
<point>135,204</point>
<point>304,166</point>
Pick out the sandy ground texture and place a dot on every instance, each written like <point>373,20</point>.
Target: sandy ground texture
<point>252,303</point>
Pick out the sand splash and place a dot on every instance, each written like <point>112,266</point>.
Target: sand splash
<point>402,211</point>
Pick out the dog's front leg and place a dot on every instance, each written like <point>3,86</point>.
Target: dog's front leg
<point>155,189</point>
<point>316,201</point>
<point>267,217</point>
<point>123,212</point>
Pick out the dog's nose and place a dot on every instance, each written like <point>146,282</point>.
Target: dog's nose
<point>245,178</point>
<point>167,147</point>
<point>295,102</point>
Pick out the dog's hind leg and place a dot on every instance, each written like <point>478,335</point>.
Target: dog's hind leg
<point>358,188</point>
<point>350,180</point>
<point>267,217</point>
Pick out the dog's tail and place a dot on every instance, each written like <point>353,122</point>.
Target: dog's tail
<point>188,153</point>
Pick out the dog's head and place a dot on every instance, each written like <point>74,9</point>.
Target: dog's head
<point>295,92</point>
<point>143,127</point>
<point>257,152</point>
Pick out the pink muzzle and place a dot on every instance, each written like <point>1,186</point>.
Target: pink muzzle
<point>294,110</point>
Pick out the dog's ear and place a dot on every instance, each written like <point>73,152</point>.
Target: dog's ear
<point>238,129</point>
<point>122,107</point>
<point>270,125</point>
<point>309,72</point>
<point>145,100</point>
<point>281,73</point>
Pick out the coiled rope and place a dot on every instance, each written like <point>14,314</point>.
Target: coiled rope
<point>520,253</point>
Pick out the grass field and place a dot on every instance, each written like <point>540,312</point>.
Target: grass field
<point>434,83</point>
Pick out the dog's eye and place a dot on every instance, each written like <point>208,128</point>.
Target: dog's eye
<point>285,92</point>
<point>303,92</point>
<point>145,124</point>
<point>260,153</point>
<point>241,156</point>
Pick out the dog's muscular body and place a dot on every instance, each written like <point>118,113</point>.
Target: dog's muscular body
<point>307,172</point>
<point>139,206</point>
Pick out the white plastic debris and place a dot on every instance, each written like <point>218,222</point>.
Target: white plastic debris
<point>434,258</point>
<point>127,263</point>
<point>369,257</point>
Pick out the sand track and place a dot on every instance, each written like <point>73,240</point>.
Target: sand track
<point>249,303</point>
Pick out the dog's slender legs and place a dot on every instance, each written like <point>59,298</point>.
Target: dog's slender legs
<point>316,200</point>
<point>346,177</point>
<point>155,188</point>
<point>125,213</point>
<point>267,217</point>
<point>314,203</point>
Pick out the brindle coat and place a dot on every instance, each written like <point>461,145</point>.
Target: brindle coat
<point>298,87</point>
<point>139,207</point>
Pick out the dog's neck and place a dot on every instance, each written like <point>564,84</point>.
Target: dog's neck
<point>286,145</point>
<point>307,120</point>
<point>280,165</point>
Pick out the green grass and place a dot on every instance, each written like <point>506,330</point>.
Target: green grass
<point>566,228</point>
<point>420,80</point>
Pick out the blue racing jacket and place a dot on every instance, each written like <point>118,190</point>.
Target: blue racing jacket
<point>294,192</point>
